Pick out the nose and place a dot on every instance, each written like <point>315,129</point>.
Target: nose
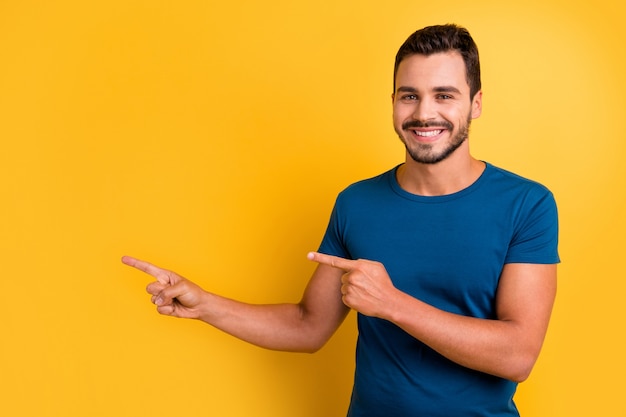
<point>424,110</point>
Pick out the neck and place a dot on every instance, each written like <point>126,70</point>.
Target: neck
<point>455,173</point>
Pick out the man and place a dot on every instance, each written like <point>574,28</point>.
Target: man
<point>449,261</point>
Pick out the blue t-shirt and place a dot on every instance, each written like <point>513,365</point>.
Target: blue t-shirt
<point>447,251</point>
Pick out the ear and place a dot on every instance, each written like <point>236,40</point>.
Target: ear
<point>477,105</point>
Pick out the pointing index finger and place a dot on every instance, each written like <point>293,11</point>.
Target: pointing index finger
<point>160,274</point>
<point>334,261</point>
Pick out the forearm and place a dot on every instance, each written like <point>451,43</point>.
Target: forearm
<point>285,327</point>
<point>496,347</point>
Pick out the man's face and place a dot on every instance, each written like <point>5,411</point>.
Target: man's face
<point>432,110</point>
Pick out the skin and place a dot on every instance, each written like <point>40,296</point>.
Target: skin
<point>430,89</point>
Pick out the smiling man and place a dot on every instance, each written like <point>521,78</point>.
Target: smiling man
<point>449,261</point>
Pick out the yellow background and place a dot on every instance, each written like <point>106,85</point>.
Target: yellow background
<point>212,138</point>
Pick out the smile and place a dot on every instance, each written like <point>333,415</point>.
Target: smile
<point>427,134</point>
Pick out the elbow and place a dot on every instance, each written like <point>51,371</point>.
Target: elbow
<point>311,350</point>
<point>520,375</point>
<point>313,347</point>
<point>304,347</point>
<point>306,343</point>
<point>520,369</point>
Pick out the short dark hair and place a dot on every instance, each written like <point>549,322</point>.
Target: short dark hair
<point>443,38</point>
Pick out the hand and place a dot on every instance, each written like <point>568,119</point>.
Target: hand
<point>366,286</point>
<point>172,294</point>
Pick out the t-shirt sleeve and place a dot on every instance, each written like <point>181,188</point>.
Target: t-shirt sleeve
<point>536,233</point>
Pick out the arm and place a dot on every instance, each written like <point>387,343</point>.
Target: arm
<point>302,327</point>
<point>506,347</point>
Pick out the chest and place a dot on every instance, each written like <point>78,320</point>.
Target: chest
<point>449,255</point>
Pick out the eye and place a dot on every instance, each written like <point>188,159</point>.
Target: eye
<point>444,97</point>
<point>409,97</point>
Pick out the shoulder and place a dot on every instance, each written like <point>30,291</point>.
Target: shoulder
<point>523,201</point>
<point>500,174</point>
<point>370,186</point>
<point>507,183</point>
<point>531,210</point>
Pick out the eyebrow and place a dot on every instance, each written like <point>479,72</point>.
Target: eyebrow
<point>441,89</point>
<point>446,89</point>
<point>406,90</point>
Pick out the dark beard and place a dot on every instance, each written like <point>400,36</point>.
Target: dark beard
<point>423,154</point>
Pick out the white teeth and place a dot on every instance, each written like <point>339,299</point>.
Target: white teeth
<point>430,133</point>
